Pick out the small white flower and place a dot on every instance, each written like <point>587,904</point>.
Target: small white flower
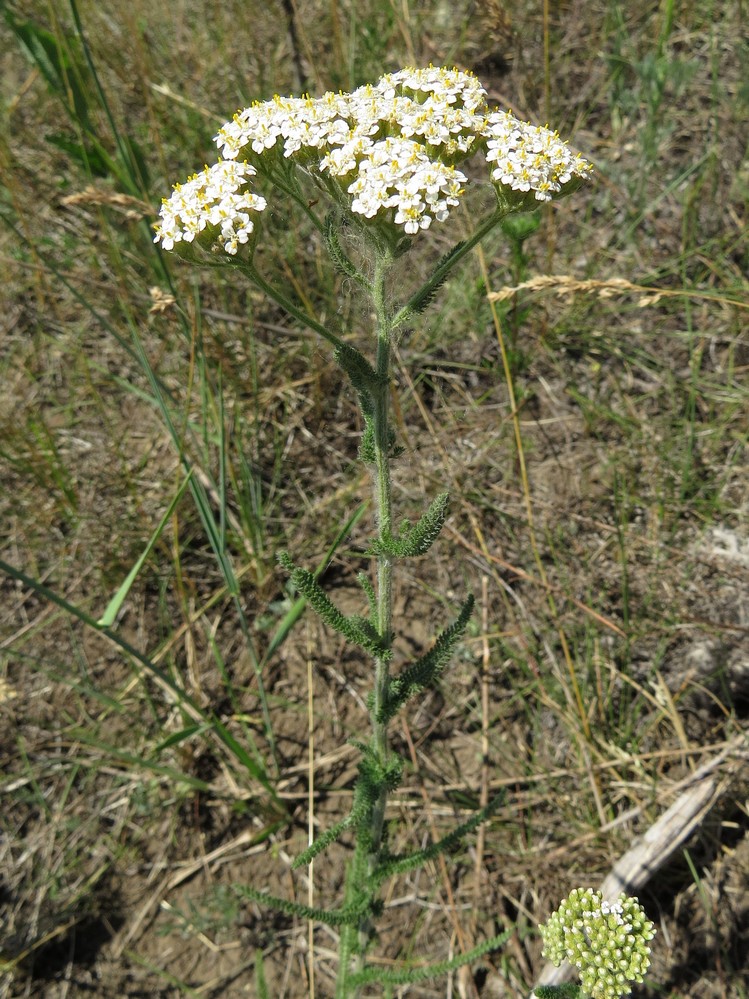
<point>393,147</point>
<point>217,196</point>
<point>530,158</point>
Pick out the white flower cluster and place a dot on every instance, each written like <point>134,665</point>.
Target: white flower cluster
<point>442,107</point>
<point>391,149</point>
<point>217,196</point>
<point>530,158</point>
<point>398,174</point>
<point>608,942</point>
<point>299,122</point>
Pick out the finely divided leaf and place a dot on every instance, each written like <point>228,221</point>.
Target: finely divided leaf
<point>424,671</point>
<point>415,539</point>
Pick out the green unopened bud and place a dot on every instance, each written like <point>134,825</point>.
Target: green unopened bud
<point>608,942</point>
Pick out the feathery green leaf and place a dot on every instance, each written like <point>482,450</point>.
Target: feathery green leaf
<point>567,990</point>
<point>383,977</point>
<point>366,584</point>
<point>402,864</point>
<point>415,539</point>
<point>348,915</point>
<point>363,376</point>
<point>420,302</point>
<point>338,255</point>
<point>424,671</point>
<point>324,840</point>
<point>355,629</point>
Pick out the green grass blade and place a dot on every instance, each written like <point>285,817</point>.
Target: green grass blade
<point>137,762</point>
<point>261,986</point>
<point>95,313</point>
<point>130,170</point>
<point>113,607</point>
<point>187,702</point>
<point>213,533</point>
<point>221,467</point>
<point>176,737</point>
<point>60,68</point>
<point>165,976</point>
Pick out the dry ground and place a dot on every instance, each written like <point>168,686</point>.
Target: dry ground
<point>119,847</point>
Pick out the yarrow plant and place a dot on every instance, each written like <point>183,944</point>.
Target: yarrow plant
<point>608,942</point>
<point>388,158</point>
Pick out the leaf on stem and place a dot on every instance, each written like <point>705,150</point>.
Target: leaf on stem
<point>366,381</point>
<point>424,671</point>
<point>348,915</point>
<point>366,584</point>
<point>425,296</point>
<point>401,864</point>
<point>374,776</point>
<point>367,452</point>
<point>363,376</point>
<point>415,539</point>
<point>356,629</point>
<point>322,842</point>
<point>568,990</point>
<point>382,976</point>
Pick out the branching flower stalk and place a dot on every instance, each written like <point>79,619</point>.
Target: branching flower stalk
<point>387,159</point>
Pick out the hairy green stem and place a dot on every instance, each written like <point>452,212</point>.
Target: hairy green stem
<point>371,841</point>
<point>384,561</point>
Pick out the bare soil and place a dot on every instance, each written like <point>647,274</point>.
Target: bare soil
<point>121,845</point>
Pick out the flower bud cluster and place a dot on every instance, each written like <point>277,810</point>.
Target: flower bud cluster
<point>389,149</point>
<point>607,942</point>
